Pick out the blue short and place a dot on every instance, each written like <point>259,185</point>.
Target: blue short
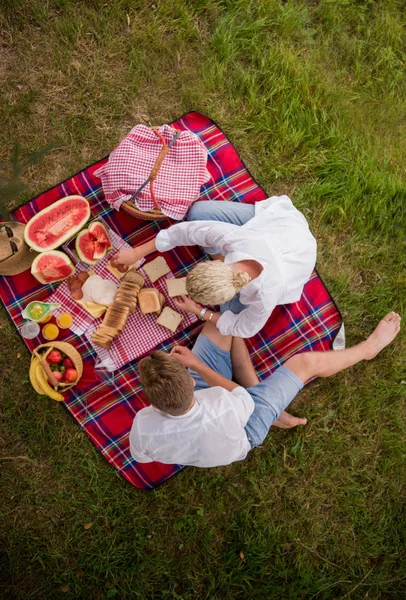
<point>271,396</point>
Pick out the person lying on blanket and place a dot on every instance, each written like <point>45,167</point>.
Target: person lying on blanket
<point>268,251</point>
<point>200,417</point>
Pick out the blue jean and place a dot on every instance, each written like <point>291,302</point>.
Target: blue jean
<point>235,213</point>
<point>271,396</point>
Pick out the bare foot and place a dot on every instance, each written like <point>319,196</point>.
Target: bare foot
<point>287,421</point>
<point>384,334</point>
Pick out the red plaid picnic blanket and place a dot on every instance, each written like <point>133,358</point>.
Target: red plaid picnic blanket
<point>105,408</point>
<point>179,180</point>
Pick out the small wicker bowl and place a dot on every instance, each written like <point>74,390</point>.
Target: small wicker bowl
<point>70,352</point>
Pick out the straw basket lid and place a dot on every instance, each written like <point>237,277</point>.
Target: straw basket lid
<point>70,352</point>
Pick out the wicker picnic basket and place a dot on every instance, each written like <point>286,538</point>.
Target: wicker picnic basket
<point>156,213</point>
<point>70,352</point>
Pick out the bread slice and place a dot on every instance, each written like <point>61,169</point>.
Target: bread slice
<point>176,287</point>
<point>149,301</point>
<point>156,268</point>
<point>170,319</point>
<point>134,277</point>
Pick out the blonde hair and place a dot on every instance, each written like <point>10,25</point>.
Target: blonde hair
<point>214,282</point>
<point>166,382</point>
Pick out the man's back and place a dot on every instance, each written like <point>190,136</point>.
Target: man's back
<point>210,434</point>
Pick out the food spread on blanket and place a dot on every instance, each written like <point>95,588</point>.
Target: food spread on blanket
<point>97,295</point>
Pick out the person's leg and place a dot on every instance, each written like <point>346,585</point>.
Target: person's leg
<point>243,370</point>
<point>274,394</point>
<point>244,374</point>
<point>236,213</point>
<point>212,349</point>
<point>324,364</point>
<point>221,341</point>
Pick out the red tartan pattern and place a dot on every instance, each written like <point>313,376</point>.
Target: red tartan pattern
<point>105,408</point>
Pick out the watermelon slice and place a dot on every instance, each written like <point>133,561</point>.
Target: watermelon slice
<point>52,226</point>
<point>85,247</point>
<point>100,250</point>
<point>52,266</point>
<point>99,232</point>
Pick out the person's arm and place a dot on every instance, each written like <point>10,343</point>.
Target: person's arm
<point>129,256</point>
<point>187,358</point>
<point>192,233</point>
<point>188,305</point>
<point>246,324</point>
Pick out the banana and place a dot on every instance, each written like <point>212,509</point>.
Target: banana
<point>33,376</point>
<point>44,385</point>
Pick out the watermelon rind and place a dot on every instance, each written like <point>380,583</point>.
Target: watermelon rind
<point>55,224</point>
<point>82,238</point>
<point>52,272</point>
<point>95,231</point>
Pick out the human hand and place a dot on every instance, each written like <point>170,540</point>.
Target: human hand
<point>184,356</point>
<point>188,305</point>
<point>126,257</point>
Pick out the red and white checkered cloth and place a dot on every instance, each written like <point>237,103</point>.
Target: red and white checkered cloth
<point>141,333</point>
<point>82,320</point>
<point>177,186</point>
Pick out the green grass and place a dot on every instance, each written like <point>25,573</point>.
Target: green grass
<point>313,96</point>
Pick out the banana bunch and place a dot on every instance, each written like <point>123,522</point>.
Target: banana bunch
<point>39,381</point>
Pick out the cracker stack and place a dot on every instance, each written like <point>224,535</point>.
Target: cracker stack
<point>117,313</point>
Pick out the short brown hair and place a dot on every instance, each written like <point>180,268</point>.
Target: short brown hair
<point>166,382</point>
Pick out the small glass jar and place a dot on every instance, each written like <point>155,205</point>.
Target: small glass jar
<point>50,331</point>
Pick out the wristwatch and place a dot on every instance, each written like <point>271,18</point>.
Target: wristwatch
<point>202,313</point>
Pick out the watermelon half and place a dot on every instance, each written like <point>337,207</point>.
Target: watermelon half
<point>52,266</point>
<point>99,232</point>
<point>52,226</point>
<point>88,249</point>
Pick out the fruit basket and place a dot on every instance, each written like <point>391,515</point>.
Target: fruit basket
<point>43,378</point>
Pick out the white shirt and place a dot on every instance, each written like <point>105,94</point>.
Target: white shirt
<point>278,237</point>
<point>210,434</point>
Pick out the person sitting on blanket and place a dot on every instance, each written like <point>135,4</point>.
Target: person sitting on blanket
<point>201,417</point>
<point>268,251</point>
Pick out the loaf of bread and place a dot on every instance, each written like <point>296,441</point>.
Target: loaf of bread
<point>117,314</point>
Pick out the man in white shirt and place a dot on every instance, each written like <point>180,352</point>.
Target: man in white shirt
<point>199,416</point>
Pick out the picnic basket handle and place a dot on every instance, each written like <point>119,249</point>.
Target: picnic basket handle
<point>158,162</point>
